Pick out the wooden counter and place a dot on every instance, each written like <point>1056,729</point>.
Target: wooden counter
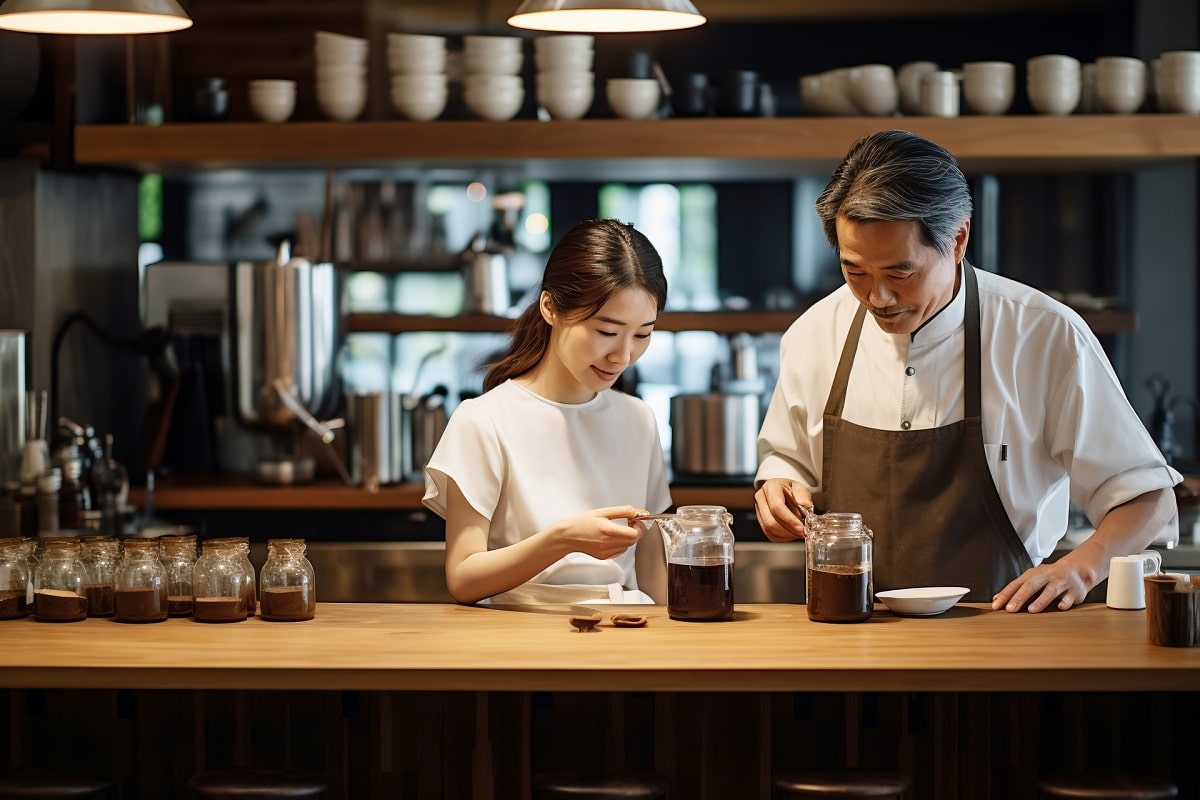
<point>419,647</point>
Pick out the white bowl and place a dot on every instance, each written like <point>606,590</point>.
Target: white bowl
<point>566,60</point>
<point>496,106</point>
<point>420,106</point>
<point>493,63</point>
<point>633,98</point>
<point>922,601</point>
<point>566,102</point>
<point>341,107</point>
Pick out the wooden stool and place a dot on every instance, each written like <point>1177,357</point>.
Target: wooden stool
<point>842,785</point>
<point>254,784</point>
<point>45,786</point>
<point>1119,787</point>
<point>599,785</point>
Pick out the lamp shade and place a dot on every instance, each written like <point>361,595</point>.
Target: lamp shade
<point>93,16</point>
<point>606,16</point>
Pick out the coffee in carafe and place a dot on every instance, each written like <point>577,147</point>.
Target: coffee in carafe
<point>839,568</point>
<point>699,545</point>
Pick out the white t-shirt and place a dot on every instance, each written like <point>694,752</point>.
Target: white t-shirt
<point>524,462</point>
<point>1057,425</point>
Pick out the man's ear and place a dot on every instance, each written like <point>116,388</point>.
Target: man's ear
<point>960,242</point>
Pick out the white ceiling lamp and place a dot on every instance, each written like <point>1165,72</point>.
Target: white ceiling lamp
<point>606,16</point>
<point>93,16</point>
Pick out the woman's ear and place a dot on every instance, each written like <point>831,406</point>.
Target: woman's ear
<point>547,308</point>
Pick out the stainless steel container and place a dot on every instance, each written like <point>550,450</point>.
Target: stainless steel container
<point>371,440</point>
<point>485,277</point>
<point>715,435</point>
<point>284,339</point>
<point>13,366</point>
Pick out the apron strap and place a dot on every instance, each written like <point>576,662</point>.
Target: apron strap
<point>972,371</point>
<point>837,393</point>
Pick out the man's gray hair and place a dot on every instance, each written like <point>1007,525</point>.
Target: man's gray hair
<point>897,176</point>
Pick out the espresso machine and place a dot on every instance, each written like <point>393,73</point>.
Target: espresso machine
<point>258,344</point>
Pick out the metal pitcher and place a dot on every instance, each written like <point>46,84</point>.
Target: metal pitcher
<point>284,340</point>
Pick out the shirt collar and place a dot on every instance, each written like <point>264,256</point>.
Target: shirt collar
<point>948,320</point>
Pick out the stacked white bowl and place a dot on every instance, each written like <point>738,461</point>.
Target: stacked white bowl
<point>989,87</point>
<point>271,100</point>
<point>341,75</point>
<point>417,65</point>
<point>566,85</point>
<point>493,87</point>
<point>1179,81</point>
<point>1053,83</point>
<point>1120,84</point>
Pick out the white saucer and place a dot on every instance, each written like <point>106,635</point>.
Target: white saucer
<point>922,601</point>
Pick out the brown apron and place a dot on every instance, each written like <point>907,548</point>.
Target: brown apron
<point>927,495</point>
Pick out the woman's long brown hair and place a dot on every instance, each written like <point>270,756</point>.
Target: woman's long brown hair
<point>591,262</point>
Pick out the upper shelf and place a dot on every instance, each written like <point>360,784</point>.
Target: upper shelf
<point>673,148</point>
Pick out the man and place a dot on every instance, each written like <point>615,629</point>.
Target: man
<point>958,411</point>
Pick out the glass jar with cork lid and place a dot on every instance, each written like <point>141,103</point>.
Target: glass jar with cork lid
<point>179,557</point>
<point>58,583</point>
<point>14,579</point>
<point>140,585</point>
<point>219,582</point>
<point>287,583</point>
<point>100,556</point>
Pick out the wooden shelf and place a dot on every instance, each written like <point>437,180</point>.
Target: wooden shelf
<point>1108,321</point>
<point>617,149</point>
<point>212,494</point>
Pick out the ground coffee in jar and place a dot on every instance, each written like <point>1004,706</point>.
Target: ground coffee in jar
<point>58,583</point>
<point>219,582</point>
<point>100,556</point>
<point>14,579</point>
<point>287,582</point>
<point>179,557</point>
<point>140,586</point>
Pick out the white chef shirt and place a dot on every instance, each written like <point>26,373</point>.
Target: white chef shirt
<point>524,462</point>
<point>1057,425</point>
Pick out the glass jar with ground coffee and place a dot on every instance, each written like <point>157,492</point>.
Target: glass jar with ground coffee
<point>29,545</point>
<point>179,557</point>
<point>141,583</point>
<point>219,583</point>
<point>58,583</point>
<point>14,579</point>
<point>249,595</point>
<point>287,584</point>
<point>840,582</point>
<point>101,554</point>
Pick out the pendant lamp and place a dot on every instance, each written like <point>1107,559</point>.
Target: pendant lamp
<point>93,16</point>
<point>606,16</point>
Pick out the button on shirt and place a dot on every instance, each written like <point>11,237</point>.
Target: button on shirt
<point>1057,425</point>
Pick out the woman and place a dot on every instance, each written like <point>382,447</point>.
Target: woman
<point>538,478</point>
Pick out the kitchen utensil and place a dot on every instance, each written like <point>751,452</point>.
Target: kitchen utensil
<point>699,545</point>
<point>371,440</point>
<point>922,601</point>
<point>715,434</point>
<point>1125,579</point>
<point>1173,610</point>
<point>840,575</point>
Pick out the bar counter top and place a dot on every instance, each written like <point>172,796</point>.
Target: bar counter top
<point>445,647</point>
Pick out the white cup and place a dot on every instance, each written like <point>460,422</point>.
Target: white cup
<point>989,87</point>
<point>939,94</point>
<point>633,98</point>
<point>1125,579</point>
<point>908,80</point>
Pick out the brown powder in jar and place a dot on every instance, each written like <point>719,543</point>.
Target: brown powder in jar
<point>219,609</point>
<point>139,605</point>
<point>57,605</point>
<point>100,599</point>
<point>179,605</point>
<point>286,604</point>
<point>13,604</point>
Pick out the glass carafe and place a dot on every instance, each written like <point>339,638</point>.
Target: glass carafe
<point>141,583</point>
<point>699,544</point>
<point>100,555</point>
<point>840,583</point>
<point>179,557</point>
<point>58,583</point>
<point>14,579</point>
<point>219,583</point>
<point>287,585</point>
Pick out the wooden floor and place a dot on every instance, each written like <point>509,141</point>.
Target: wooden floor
<point>486,746</point>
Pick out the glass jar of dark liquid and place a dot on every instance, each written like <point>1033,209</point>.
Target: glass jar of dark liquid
<point>287,585</point>
<point>14,579</point>
<point>699,563</point>
<point>140,584</point>
<point>839,569</point>
<point>100,556</point>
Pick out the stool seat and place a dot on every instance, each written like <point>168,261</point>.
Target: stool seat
<point>843,785</point>
<point>254,784</point>
<point>47,786</point>
<point>1097,787</point>
<point>600,785</point>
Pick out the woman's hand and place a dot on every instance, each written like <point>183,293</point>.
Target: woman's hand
<point>776,504</point>
<point>597,532</point>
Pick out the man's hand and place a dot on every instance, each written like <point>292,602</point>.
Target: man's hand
<point>776,504</point>
<point>1059,583</point>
